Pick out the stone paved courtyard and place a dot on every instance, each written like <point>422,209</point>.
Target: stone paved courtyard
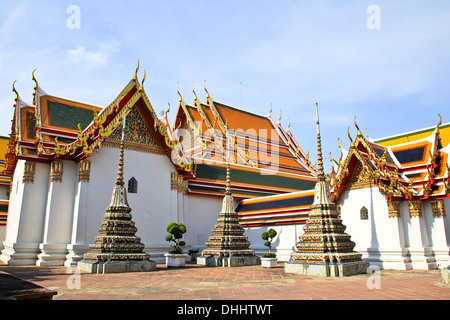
<point>242,283</point>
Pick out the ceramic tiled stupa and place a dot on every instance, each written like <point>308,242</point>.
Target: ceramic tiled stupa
<point>228,246</point>
<point>324,248</point>
<point>117,249</point>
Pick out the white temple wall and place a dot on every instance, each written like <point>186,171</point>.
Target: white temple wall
<point>379,238</point>
<point>201,217</point>
<point>283,244</point>
<point>153,206</point>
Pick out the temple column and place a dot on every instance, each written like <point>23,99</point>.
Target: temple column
<point>59,214</point>
<point>26,214</point>
<point>79,243</point>
<point>419,244</point>
<point>395,253</point>
<point>435,218</point>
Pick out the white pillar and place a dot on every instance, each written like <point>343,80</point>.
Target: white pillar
<point>420,250</point>
<point>26,214</point>
<point>435,215</point>
<point>79,243</point>
<point>59,214</point>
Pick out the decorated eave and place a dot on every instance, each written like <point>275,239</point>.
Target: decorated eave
<point>409,166</point>
<point>212,132</point>
<point>40,133</point>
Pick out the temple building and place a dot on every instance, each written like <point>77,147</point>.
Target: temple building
<point>60,162</point>
<point>62,159</point>
<point>394,196</point>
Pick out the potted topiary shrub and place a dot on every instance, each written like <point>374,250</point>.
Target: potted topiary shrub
<point>269,259</point>
<point>175,256</point>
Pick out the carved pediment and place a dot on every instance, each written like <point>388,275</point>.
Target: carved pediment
<point>137,136</point>
<point>360,179</point>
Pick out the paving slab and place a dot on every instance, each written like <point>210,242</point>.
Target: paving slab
<point>195,282</point>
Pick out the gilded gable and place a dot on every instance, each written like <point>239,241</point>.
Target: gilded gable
<point>137,136</point>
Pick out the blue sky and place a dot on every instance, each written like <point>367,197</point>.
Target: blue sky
<point>251,53</point>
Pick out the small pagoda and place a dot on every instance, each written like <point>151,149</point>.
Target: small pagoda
<point>324,248</point>
<point>117,249</point>
<point>228,247</point>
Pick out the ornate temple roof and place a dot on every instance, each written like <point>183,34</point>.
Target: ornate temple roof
<point>291,208</point>
<point>266,158</point>
<point>405,166</point>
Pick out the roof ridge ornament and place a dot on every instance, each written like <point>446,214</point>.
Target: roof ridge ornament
<point>356,125</point>
<point>15,91</point>
<point>340,145</point>
<point>350,137</point>
<point>34,79</point>
<point>208,97</point>
<point>440,121</point>
<point>367,134</point>
<point>141,88</point>
<point>135,73</point>
<point>178,91</point>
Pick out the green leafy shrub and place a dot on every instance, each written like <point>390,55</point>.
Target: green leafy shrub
<point>268,236</point>
<point>176,231</point>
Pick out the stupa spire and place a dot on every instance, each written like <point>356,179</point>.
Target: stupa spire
<point>119,195</point>
<point>322,190</point>
<point>320,173</point>
<point>324,248</point>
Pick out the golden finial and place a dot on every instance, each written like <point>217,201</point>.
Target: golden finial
<point>178,91</point>
<point>367,134</point>
<point>168,109</point>
<point>207,93</point>
<point>349,136</point>
<point>270,111</point>
<point>34,79</point>
<point>289,126</point>
<point>279,120</point>
<point>141,88</point>
<point>356,125</point>
<point>137,69</point>
<point>333,160</point>
<point>440,121</point>
<point>14,90</point>
<point>339,144</point>
<point>195,95</point>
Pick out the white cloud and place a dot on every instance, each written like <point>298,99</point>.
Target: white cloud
<point>93,59</point>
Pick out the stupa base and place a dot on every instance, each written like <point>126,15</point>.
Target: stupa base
<point>327,269</point>
<point>229,261</point>
<point>117,266</point>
